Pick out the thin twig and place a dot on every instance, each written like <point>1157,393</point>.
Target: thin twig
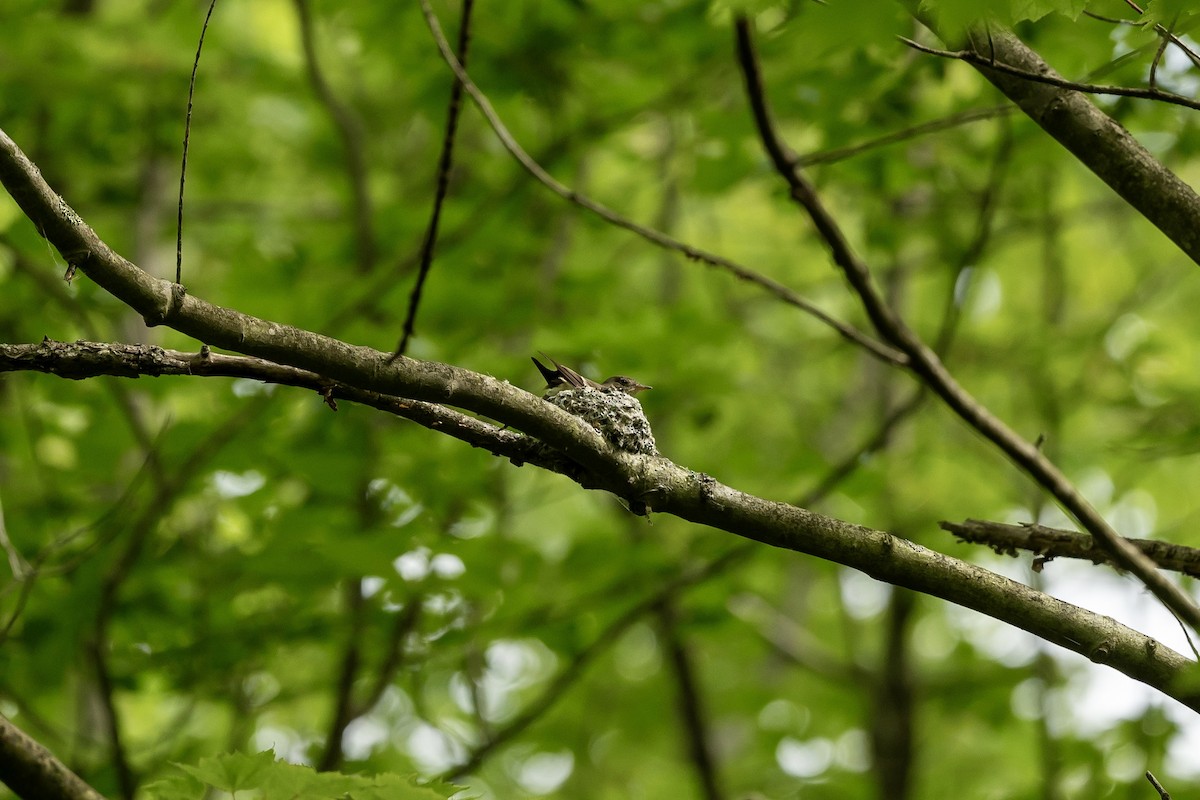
<point>946,123</point>
<point>372,293</point>
<point>1113,20</point>
<point>1051,543</point>
<point>445,162</point>
<point>1158,787</point>
<point>187,131</point>
<point>1161,31</point>
<point>404,623</point>
<point>1158,54</point>
<point>787,295</point>
<point>16,563</point>
<point>925,364</point>
<point>127,780</point>
<point>971,57</point>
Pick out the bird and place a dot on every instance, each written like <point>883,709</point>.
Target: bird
<point>563,377</point>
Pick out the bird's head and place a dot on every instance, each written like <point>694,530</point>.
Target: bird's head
<point>626,385</point>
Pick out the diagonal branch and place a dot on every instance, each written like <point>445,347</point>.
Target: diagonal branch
<point>653,482</point>
<point>774,287</point>
<point>445,161</point>
<point>926,365</point>
<point>1099,142</point>
<point>31,770</point>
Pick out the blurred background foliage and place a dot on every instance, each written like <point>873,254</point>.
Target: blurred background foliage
<point>209,552</point>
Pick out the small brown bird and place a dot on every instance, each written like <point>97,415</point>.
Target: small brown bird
<point>562,377</point>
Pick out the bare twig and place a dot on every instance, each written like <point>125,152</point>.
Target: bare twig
<point>1112,20</point>
<point>187,132</point>
<point>1158,787</point>
<point>127,780</point>
<point>16,562</point>
<point>787,295</point>
<point>1164,33</point>
<point>972,57</point>
<point>892,720</point>
<point>1152,82</point>
<point>907,134</point>
<point>404,623</point>
<point>445,161</point>
<point>1051,543</point>
<point>346,707</point>
<point>925,364</point>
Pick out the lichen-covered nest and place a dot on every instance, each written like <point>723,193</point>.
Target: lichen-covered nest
<point>617,416</point>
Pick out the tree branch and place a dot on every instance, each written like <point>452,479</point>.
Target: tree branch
<point>1051,79</point>
<point>668,488</point>
<point>32,771</point>
<point>928,367</point>
<point>445,162</point>
<point>1098,141</point>
<point>1052,543</point>
<point>774,287</point>
<point>81,360</point>
<point>654,482</point>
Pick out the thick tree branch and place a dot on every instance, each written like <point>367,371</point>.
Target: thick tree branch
<point>654,482</point>
<point>80,360</point>
<point>163,303</point>
<point>32,771</point>
<point>668,488</point>
<point>1098,141</point>
<point>928,367</point>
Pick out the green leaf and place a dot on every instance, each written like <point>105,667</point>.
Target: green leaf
<point>231,772</point>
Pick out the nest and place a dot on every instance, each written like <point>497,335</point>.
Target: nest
<point>617,416</point>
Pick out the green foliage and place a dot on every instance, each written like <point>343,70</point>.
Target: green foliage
<point>211,534</point>
<point>262,776</point>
